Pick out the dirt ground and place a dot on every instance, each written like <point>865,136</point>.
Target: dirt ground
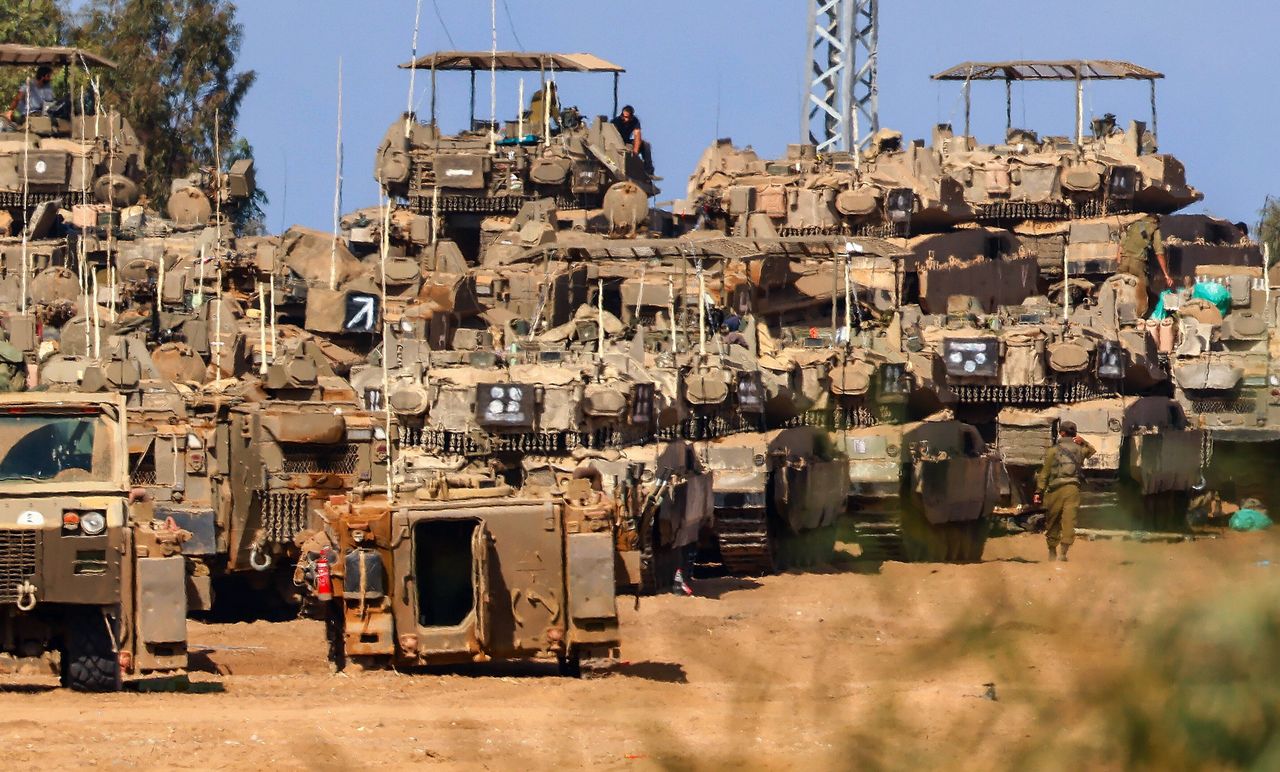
<point>862,665</point>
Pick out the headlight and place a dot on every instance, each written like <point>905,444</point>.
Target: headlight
<point>92,523</point>
<point>1274,380</point>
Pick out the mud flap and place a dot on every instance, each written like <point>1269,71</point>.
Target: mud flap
<point>591,587</point>
<point>161,614</point>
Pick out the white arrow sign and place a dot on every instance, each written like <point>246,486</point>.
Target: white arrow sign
<point>365,316</point>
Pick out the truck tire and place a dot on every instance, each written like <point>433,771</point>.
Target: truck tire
<point>89,660</point>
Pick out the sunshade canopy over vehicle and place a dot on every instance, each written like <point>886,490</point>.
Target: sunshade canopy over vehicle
<point>1030,69</point>
<point>511,61</point>
<point>17,55</point>
<point>1077,70</point>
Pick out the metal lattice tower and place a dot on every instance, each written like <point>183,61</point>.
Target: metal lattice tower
<point>841,103</point>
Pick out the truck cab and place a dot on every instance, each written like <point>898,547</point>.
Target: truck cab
<point>84,569</point>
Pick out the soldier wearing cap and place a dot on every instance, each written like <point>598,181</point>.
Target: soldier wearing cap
<point>1058,486</point>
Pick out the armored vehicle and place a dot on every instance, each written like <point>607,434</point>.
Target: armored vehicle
<point>299,436</point>
<point>454,181</point>
<point>778,495</point>
<point>468,570</point>
<point>922,491</point>
<point>1108,171</point>
<point>904,189</point>
<point>71,150</point>
<point>83,567</point>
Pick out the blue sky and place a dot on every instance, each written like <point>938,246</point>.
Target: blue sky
<point>698,69</point>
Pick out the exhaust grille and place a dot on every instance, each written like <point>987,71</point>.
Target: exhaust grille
<point>340,460</point>
<point>17,562</point>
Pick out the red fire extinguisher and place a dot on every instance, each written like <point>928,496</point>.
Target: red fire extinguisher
<point>324,583</point>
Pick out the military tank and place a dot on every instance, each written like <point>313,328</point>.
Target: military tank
<point>547,152</point>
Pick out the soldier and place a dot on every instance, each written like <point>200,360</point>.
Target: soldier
<point>628,125</point>
<point>1141,241</point>
<point>1058,486</point>
<point>34,96</point>
<point>13,368</point>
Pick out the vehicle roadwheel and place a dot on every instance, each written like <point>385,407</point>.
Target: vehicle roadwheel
<point>570,664</point>
<point>89,660</point>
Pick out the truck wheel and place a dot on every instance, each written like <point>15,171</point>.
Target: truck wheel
<point>89,661</point>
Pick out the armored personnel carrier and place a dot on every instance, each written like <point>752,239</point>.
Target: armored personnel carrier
<point>84,568</point>
<point>468,569</point>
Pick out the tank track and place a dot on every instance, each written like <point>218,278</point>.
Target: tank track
<point>746,546</point>
<point>876,529</point>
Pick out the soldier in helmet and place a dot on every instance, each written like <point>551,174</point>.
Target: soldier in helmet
<point>1058,487</point>
<point>1141,242</point>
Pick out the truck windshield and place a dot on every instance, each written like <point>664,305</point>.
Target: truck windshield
<point>55,448</point>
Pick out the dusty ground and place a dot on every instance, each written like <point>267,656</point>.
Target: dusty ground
<point>866,666</point>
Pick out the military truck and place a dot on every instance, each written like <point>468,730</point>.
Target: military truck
<point>467,569</point>
<point>84,570</point>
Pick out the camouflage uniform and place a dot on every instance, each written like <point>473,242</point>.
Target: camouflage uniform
<point>1059,481</point>
<point>1141,242</point>
<point>13,368</point>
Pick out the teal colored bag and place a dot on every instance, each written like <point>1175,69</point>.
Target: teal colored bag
<point>1250,520</point>
<point>1215,293</point>
<point>1158,313</point>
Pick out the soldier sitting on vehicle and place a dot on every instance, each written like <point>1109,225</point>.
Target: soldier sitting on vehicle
<point>1058,487</point>
<point>628,125</point>
<point>540,112</point>
<point>34,96</point>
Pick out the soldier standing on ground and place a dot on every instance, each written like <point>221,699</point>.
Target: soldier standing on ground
<point>1058,485</point>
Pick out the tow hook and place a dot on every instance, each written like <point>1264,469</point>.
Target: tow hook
<point>26,596</point>
<point>259,560</point>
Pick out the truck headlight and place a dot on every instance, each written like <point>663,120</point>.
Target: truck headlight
<point>92,523</point>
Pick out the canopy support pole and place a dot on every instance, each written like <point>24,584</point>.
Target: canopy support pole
<point>968,106</point>
<point>433,92</point>
<point>615,95</point>
<point>1079,109</point>
<point>1155,122</point>
<point>473,101</point>
<point>1008,105</point>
